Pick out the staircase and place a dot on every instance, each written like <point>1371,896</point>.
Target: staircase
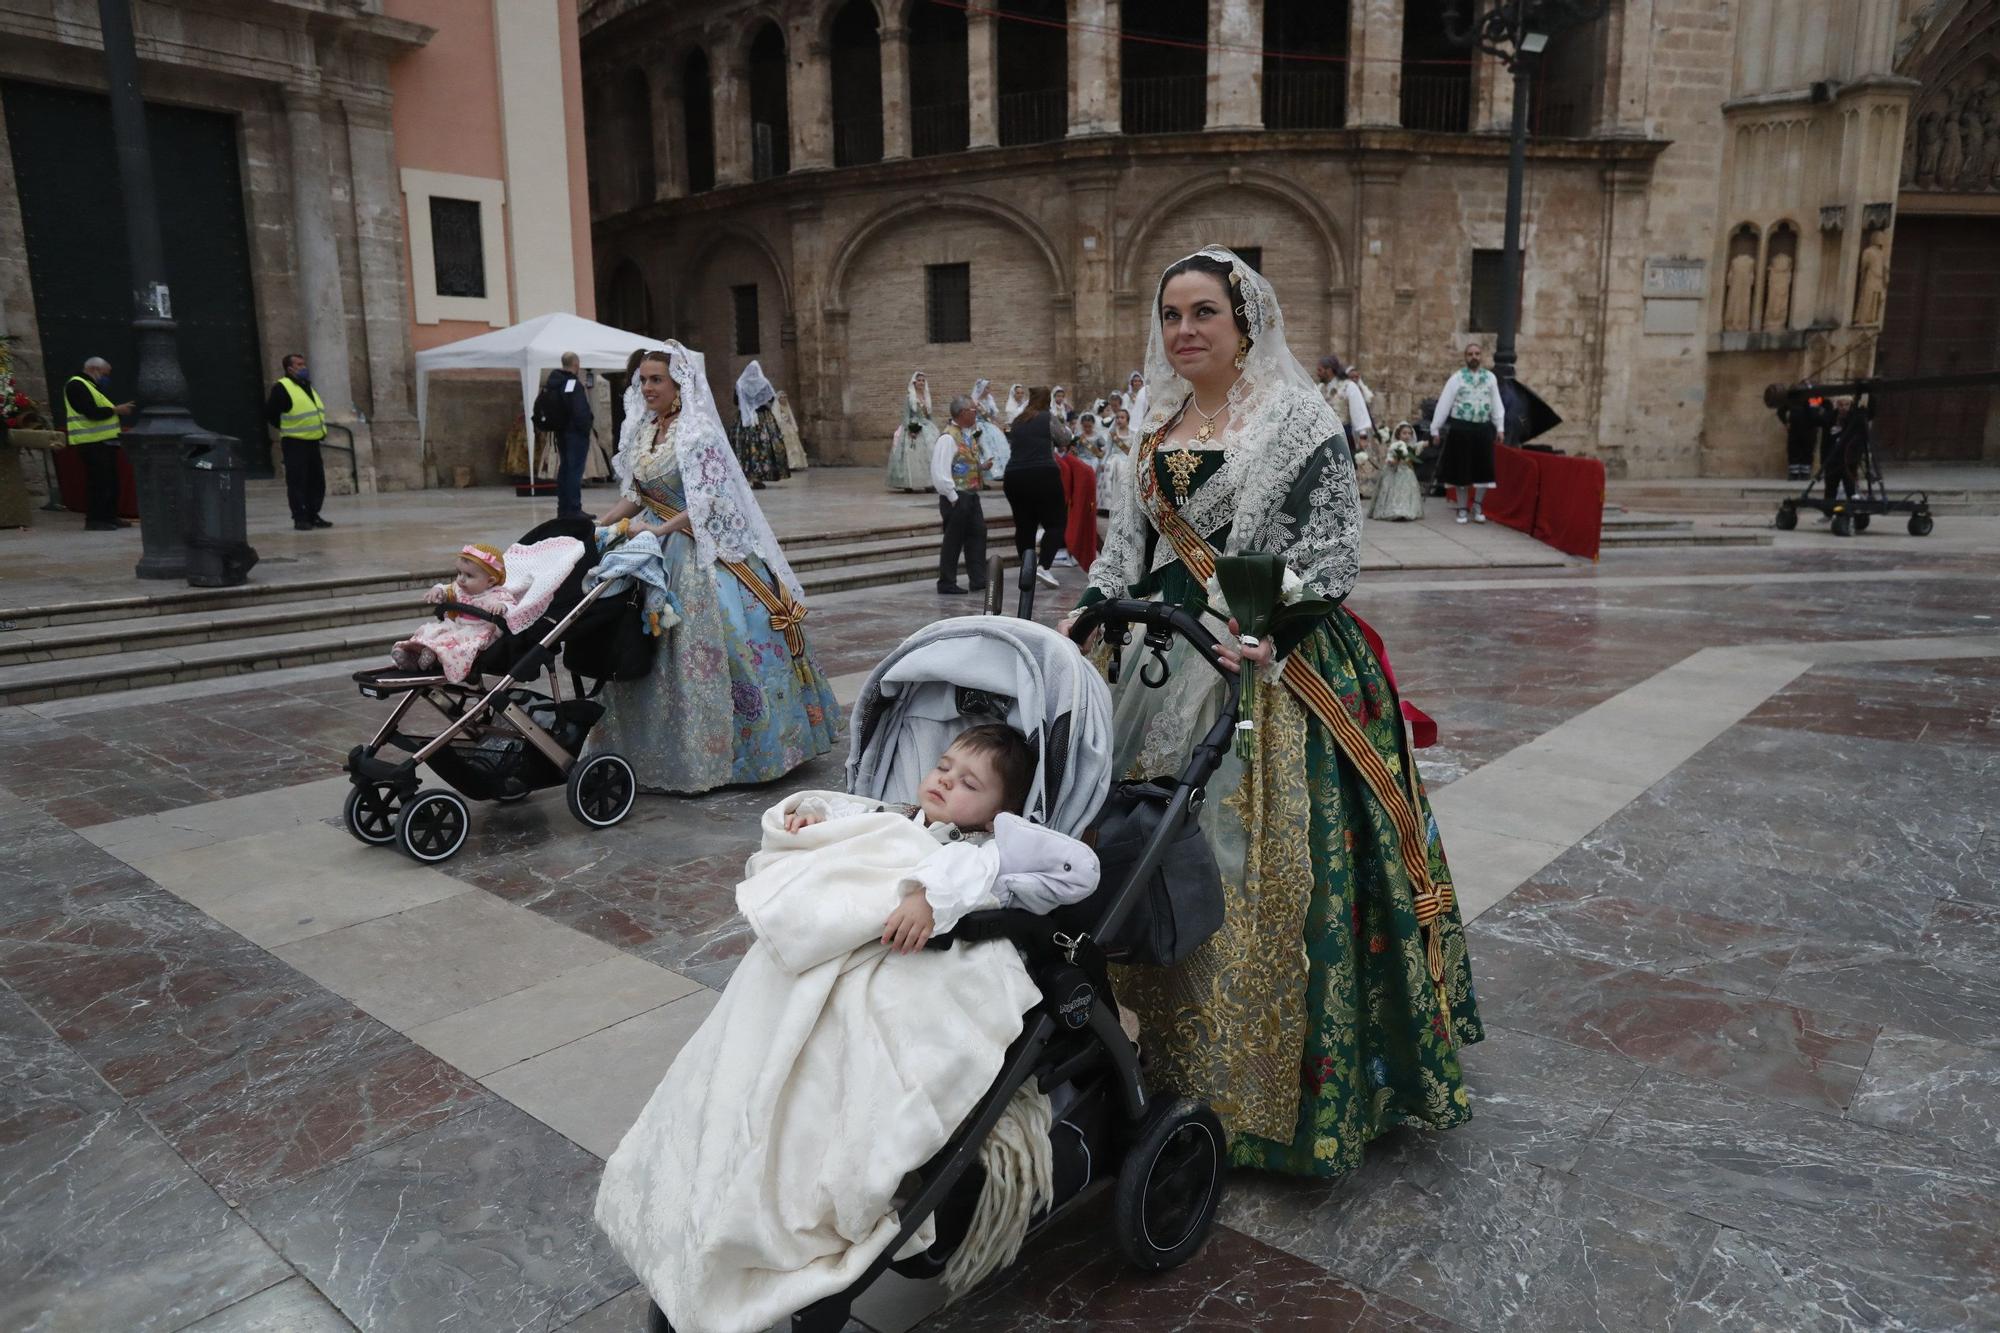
<point>123,643</point>
<point>1962,491</point>
<point>1626,531</point>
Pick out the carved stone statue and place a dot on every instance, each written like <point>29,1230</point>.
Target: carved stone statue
<point>1778,293</point>
<point>1928,144</point>
<point>1738,293</point>
<point>1951,156</point>
<point>1871,291</point>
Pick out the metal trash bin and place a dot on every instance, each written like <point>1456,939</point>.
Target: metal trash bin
<point>219,551</point>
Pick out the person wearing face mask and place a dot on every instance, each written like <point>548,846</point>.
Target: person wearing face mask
<point>94,424</point>
<point>295,410</point>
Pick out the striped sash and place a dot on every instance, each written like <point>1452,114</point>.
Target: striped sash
<point>1432,900</point>
<point>788,617</point>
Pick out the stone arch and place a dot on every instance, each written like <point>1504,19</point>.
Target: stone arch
<point>715,239</point>
<point>625,298</point>
<point>1274,187</point>
<point>705,317</point>
<point>819,20</point>
<point>858,239</point>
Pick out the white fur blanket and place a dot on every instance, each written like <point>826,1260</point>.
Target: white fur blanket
<point>761,1175</point>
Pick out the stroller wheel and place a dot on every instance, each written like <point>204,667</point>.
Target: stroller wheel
<point>370,814</point>
<point>601,790</point>
<point>1169,1184</point>
<point>434,825</point>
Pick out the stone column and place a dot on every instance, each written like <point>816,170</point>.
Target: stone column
<point>322,304</point>
<point>390,453</point>
<point>809,99</point>
<point>732,115</point>
<point>895,93</point>
<point>982,78</point>
<point>1374,71</point>
<point>1492,95</point>
<point>1094,208</point>
<point>1095,106</point>
<point>669,136</point>
<point>1627,57</point>
<point>1235,65</point>
<point>1620,347</point>
<point>1379,181</point>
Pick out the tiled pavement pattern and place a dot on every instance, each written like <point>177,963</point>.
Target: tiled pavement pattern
<point>1728,822</point>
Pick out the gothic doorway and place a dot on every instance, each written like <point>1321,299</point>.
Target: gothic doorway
<point>1942,318</point>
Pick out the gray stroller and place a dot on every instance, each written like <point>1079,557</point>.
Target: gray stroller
<point>1161,1155</point>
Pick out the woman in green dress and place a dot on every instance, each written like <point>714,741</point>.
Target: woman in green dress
<point>1332,1004</point>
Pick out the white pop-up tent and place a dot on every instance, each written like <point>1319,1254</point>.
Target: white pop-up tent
<point>533,348</point>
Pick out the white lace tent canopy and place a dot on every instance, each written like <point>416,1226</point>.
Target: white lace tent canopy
<point>532,349</point>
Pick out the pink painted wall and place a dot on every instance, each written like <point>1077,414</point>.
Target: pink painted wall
<point>446,116</point>
<point>579,184</point>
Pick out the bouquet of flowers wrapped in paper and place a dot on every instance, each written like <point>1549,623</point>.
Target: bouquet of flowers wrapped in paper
<point>1265,598</point>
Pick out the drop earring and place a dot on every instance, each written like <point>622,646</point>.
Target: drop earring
<point>1242,351</point>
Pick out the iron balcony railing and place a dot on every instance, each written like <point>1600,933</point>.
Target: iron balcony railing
<point>857,142</point>
<point>1305,99</point>
<point>1041,116</point>
<point>1437,99</point>
<point>941,127</point>
<point>1171,104</point>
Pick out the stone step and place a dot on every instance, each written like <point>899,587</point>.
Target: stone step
<point>188,601</point>
<point>1630,541</point>
<point>143,633</point>
<point>1629,522</point>
<point>163,650</point>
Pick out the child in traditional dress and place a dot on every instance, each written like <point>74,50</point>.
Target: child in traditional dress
<point>453,641</point>
<point>1397,493</point>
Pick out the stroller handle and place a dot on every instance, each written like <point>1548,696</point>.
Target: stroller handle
<point>443,609</point>
<point>1161,620</point>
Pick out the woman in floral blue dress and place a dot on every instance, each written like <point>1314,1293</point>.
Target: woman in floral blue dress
<point>734,695</point>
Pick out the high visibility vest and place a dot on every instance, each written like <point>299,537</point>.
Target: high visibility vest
<point>305,419</point>
<point>83,430</point>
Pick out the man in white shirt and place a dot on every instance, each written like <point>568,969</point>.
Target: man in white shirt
<point>957,474</point>
<point>1470,416</point>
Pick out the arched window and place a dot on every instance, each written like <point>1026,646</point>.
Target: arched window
<point>698,122</point>
<point>635,138</point>
<point>940,111</point>
<point>857,85</point>
<point>1163,57</point>
<point>1305,64</point>
<point>625,301</point>
<point>1437,76</point>
<point>770,115</point>
<point>1033,53</point>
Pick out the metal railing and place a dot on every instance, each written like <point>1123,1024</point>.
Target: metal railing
<point>1437,99</point>
<point>942,127</point>
<point>1171,104</point>
<point>1558,116</point>
<point>353,464</point>
<point>1305,99</point>
<point>857,142</point>
<point>770,155</point>
<point>1041,116</point>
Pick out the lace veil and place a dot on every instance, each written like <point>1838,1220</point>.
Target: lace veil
<point>753,392</point>
<point>1278,422</point>
<point>726,520</point>
<point>915,401</point>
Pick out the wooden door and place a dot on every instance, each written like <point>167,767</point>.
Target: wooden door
<point>1943,318</point>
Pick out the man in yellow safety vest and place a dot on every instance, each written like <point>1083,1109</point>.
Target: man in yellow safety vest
<point>94,424</point>
<point>300,417</point>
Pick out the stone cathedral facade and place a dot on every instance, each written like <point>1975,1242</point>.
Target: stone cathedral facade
<point>1718,196</point>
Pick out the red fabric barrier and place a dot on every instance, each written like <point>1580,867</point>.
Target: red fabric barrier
<point>1557,499</point>
<point>71,488</point>
<point>1079,484</point>
<point>1569,513</point>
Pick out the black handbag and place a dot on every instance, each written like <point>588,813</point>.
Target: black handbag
<point>609,640</point>
<point>1180,904</point>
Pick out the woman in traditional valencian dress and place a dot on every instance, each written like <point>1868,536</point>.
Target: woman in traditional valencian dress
<point>910,450</point>
<point>1331,1005</point>
<point>760,446</point>
<point>734,695</point>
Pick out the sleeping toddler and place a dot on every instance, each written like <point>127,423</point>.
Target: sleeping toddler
<point>988,857</point>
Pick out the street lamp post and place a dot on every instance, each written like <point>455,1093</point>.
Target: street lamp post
<point>1517,32</point>
<point>163,419</point>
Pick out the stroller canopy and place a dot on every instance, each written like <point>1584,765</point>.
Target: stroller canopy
<point>959,673</point>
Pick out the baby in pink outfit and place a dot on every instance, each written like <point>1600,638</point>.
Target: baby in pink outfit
<point>452,642</point>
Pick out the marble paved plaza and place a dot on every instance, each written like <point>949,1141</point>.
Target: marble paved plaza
<point>1725,823</point>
